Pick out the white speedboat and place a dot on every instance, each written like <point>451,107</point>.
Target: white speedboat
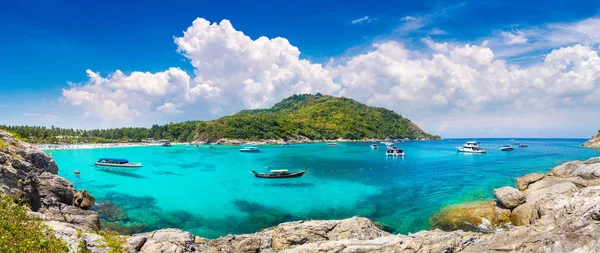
<point>471,147</point>
<point>394,151</point>
<point>374,146</point>
<point>117,163</point>
<point>250,150</point>
<point>507,148</point>
<point>332,144</point>
<point>387,143</point>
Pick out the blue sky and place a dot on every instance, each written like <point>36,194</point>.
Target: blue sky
<point>47,46</point>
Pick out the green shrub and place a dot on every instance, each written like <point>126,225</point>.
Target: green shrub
<point>22,233</point>
<point>113,241</point>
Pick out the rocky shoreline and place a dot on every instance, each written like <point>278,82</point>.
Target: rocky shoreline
<point>554,212</point>
<point>593,142</point>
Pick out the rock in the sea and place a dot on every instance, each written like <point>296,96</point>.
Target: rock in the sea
<point>476,216</point>
<point>509,197</point>
<point>524,181</point>
<point>83,199</point>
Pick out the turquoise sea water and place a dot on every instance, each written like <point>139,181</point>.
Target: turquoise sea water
<point>211,192</point>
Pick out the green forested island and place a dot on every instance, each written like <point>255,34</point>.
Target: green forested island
<point>314,117</point>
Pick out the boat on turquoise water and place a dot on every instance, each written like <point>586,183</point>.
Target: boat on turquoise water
<point>283,173</point>
<point>507,148</point>
<point>249,150</point>
<point>522,145</point>
<point>471,147</point>
<point>387,143</point>
<point>117,163</point>
<point>394,151</point>
<point>332,144</point>
<point>374,146</point>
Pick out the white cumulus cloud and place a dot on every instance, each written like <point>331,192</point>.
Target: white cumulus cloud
<point>458,88</point>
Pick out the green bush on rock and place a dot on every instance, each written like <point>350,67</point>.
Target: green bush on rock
<point>22,233</point>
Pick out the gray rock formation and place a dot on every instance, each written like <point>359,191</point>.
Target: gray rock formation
<point>524,181</point>
<point>593,142</point>
<point>509,197</point>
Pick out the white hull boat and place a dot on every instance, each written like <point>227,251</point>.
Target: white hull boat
<point>471,147</point>
<point>394,152</point>
<point>117,164</point>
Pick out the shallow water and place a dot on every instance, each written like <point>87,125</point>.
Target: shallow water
<point>211,192</point>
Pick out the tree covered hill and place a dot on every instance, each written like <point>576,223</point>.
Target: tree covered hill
<point>316,117</point>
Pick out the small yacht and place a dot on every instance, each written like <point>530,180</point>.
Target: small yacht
<point>471,147</point>
<point>374,146</point>
<point>387,143</point>
<point>394,151</point>
<point>117,163</point>
<point>332,144</point>
<point>522,145</point>
<point>249,150</point>
<point>507,148</point>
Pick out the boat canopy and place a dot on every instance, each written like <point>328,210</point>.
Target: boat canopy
<point>118,160</point>
<point>278,171</point>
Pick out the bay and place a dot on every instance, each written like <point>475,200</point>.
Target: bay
<point>211,192</point>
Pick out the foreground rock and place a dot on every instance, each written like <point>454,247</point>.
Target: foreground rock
<point>509,197</point>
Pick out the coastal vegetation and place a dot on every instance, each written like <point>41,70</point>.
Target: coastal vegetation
<point>20,232</point>
<point>314,117</point>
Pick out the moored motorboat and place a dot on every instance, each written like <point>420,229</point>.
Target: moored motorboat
<point>332,144</point>
<point>387,143</point>
<point>471,147</point>
<point>279,173</point>
<point>507,148</point>
<point>374,146</point>
<point>117,163</point>
<point>394,151</point>
<point>250,150</point>
<point>522,145</point>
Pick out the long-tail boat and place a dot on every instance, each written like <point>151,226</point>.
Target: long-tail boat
<point>279,173</point>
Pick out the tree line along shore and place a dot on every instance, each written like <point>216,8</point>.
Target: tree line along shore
<point>299,117</point>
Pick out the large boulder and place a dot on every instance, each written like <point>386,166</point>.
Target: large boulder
<point>477,216</point>
<point>293,233</point>
<point>85,219</point>
<point>77,238</point>
<point>524,181</point>
<point>53,188</point>
<point>164,241</point>
<point>509,197</point>
<point>41,160</point>
<point>83,199</point>
<point>522,215</point>
<point>548,187</point>
<point>588,170</point>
